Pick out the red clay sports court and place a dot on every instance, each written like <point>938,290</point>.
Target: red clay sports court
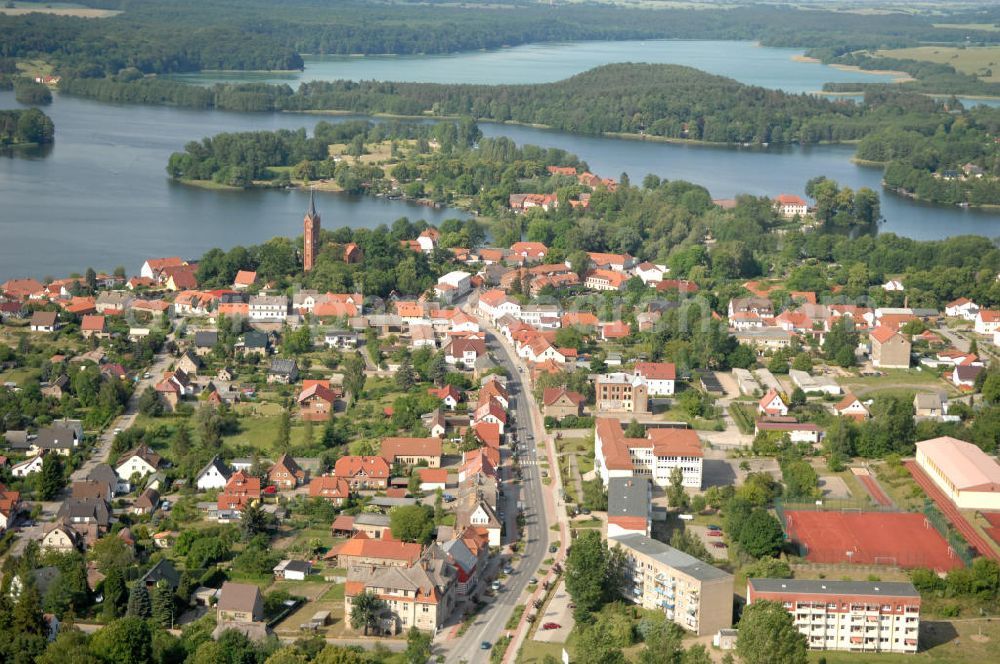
<point>871,538</point>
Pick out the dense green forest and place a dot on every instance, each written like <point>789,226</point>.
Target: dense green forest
<point>155,36</point>
<point>31,126</point>
<point>931,77</point>
<point>658,100</point>
<point>956,162</point>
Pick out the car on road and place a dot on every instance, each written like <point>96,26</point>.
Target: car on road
<point>485,645</point>
<point>533,581</point>
<point>551,625</point>
<point>118,430</point>
<point>507,569</point>
<point>448,498</point>
<point>714,533</point>
<point>495,585</point>
<point>147,375</point>
<point>712,526</point>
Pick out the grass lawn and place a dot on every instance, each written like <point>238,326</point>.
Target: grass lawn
<point>20,375</point>
<point>972,60</point>
<point>903,490</point>
<point>895,381</point>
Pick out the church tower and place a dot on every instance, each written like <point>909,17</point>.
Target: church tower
<point>310,234</point>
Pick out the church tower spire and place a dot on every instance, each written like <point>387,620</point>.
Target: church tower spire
<point>310,234</point>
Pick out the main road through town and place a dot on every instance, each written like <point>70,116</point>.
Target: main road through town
<point>491,622</point>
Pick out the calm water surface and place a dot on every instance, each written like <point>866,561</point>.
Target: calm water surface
<point>100,197</point>
<point>542,63</point>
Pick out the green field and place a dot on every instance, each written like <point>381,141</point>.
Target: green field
<point>974,60</point>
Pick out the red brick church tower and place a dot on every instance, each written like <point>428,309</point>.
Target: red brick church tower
<point>310,233</point>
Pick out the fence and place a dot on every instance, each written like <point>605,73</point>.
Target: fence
<point>954,539</point>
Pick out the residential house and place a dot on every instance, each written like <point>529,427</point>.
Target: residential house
<point>432,479</point>
<point>139,461</point>
<point>615,330</point>
<point>772,404</point>
<point>559,402</point>
<point>659,376</point>
<point>114,302</point>
<point>56,440</point>
<point>651,273</point>
<point>604,280</point>
<point>448,394</point>
<point>213,476</point>
<point>241,490</point>
<point>334,489</point>
<point>363,473</point>
<point>147,502</point>
<point>256,342</point>
<point>420,596</point>
<point>152,268</point>
<point>933,405</point>
<point>964,376</point>
<point>889,349</point>
<point>316,400</point>
<point>493,304</point>
<point>282,371</point>
<point>492,411</point>
<point>532,252</point>
<point>286,474</point>
<point>28,466</point>
<point>10,505</point>
<point>61,538</point>
<point>241,607</point>
<point>797,432</point>
<point>268,308</point>
<point>205,341</point>
<point>963,308</point>
<point>44,321</point>
<point>93,326</point>
<point>851,406</point>
<point>464,351</point>
<point>244,279</point>
<point>475,511</point>
<point>90,517</point>
<point>789,205</point>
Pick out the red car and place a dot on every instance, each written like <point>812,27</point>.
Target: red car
<point>714,533</point>
<point>551,625</point>
<point>270,490</point>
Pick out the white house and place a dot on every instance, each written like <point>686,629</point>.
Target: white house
<point>772,404</point>
<point>660,377</point>
<point>987,321</point>
<point>483,516</point>
<point>293,570</point>
<point>140,461</point>
<point>268,308</point>
<point>789,205</point>
<point>494,304</point>
<point>458,282</point>
<point>27,467</point>
<point>963,308</point>
<point>213,476</point>
<point>651,273</point>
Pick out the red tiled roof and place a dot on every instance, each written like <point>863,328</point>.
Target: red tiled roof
<point>372,466</point>
<point>656,370</point>
<point>407,447</point>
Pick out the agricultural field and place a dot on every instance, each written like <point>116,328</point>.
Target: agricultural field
<point>975,60</point>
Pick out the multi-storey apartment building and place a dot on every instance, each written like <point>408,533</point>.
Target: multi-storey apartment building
<point>655,456</point>
<point>622,393</point>
<point>856,616</point>
<point>691,593</point>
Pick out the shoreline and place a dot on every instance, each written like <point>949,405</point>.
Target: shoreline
<point>898,76</point>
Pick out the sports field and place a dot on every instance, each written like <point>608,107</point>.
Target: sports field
<point>871,538</point>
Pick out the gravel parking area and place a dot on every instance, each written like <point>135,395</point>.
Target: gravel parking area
<point>557,611</point>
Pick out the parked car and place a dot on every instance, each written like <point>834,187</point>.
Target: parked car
<point>712,526</point>
<point>719,545</point>
<point>551,625</point>
<point>553,548</point>
<point>714,533</point>
<point>485,645</point>
<point>507,569</point>
<point>495,585</point>
<point>585,511</point>
<point>448,498</point>
<point>270,490</point>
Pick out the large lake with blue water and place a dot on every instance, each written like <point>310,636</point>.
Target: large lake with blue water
<point>100,196</point>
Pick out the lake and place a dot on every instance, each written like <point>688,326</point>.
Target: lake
<point>543,63</point>
<point>100,196</point>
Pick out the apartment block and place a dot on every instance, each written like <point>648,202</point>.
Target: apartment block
<point>691,593</point>
<point>855,616</point>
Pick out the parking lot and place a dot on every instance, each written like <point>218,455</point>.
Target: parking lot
<point>719,553</point>
<point>556,611</point>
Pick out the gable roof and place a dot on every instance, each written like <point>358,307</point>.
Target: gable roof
<point>216,463</point>
<point>656,370</point>
<point>553,394</point>
<point>394,447</point>
<point>372,466</point>
<point>238,597</point>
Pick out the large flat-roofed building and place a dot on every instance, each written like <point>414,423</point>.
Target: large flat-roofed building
<point>655,456</point>
<point>856,616</point>
<point>966,474</point>
<point>690,592</point>
<point>630,506</point>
